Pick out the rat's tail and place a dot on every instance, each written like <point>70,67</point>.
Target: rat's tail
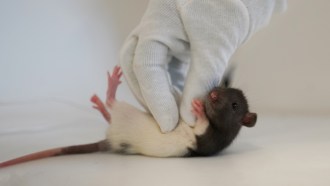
<point>77,149</point>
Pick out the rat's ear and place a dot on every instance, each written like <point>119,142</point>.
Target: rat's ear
<point>249,119</point>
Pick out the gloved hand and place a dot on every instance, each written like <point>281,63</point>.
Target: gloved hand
<point>176,34</point>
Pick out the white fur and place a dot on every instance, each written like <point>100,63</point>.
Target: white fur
<point>142,135</point>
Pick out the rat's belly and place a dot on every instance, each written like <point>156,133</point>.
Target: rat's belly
<point>135,132</point>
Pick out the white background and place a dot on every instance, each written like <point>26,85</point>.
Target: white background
<point>63,49</point>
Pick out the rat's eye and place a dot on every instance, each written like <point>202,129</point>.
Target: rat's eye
<point>234,106</point>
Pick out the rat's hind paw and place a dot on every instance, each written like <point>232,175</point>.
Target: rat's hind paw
<point>100,107</point>
<point>113,82</point>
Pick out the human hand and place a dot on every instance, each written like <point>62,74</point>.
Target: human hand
<point>176,34</point>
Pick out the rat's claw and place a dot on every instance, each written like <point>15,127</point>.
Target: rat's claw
<point>116,69</point>
<point>116,74</point>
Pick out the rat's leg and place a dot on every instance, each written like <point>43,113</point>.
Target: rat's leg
<point>113,82</point>
<point>201,121</point>
<point>100,107</point>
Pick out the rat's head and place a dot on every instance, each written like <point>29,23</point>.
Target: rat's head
<point>228,107</point>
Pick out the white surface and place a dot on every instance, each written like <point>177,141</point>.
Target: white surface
<point>280,150</point>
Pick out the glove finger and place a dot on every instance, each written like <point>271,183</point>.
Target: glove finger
<point>150,63</point>
<point>126,62</point>
<point>198,83</point>
<point>178,71</point>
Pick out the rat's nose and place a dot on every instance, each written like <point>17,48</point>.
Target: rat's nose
<point>250,119</point>
<point>214,96</point>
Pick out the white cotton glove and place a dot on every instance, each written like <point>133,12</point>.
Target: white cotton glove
<point>174,34</point>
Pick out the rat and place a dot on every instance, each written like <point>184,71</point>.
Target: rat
<point>219,117</point>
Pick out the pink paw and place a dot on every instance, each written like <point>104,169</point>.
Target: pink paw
<point>198,108</point>
<point>113,82</point>
<point>114,78</point>
<point>100,107</point>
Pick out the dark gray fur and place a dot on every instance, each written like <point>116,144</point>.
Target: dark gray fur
<point>124,147</point>
<point>225,119</point>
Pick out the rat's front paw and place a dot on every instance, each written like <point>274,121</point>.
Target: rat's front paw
<point>198,109</point>
<point>202,122</point>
